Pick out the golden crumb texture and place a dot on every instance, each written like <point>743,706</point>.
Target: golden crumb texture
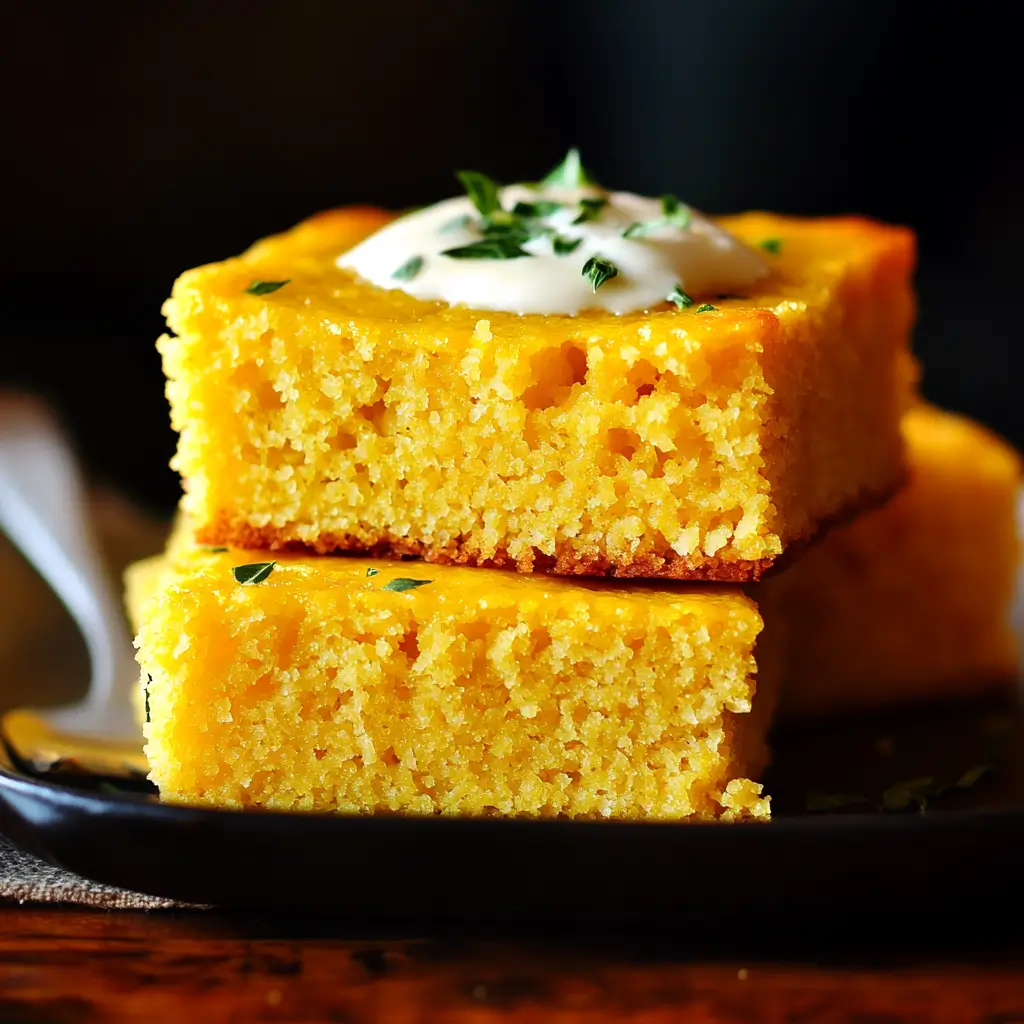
<point>914,601</point>
<point>668,443</point>
<point>328,687</point>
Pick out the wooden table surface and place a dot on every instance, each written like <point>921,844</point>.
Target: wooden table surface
<point>75,965</point>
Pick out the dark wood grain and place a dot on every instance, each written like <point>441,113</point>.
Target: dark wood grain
<point>75,966</point>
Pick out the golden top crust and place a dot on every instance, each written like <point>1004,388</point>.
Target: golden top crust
<point>814,254</point>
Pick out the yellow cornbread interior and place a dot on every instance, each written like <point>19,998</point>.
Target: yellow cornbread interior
<point>672,442</point>
<point>479,693</point>
<point>913,601</point>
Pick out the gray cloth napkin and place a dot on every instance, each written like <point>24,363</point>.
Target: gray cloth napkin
<point>43,659</point>
<point>27,879</point>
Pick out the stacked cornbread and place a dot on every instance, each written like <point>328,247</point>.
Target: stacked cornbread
<point>575,384</point>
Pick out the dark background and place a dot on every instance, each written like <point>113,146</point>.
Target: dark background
<point>144,137</point>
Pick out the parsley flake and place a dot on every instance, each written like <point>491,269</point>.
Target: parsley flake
<point>916,791</point>
<point>534,211</point>
<point>674,214</point>
<point>973,776</point>
<point>371,572</point>
<point>482,191</point>
<point>145,694</point>
<point>705,307</point>
<point>409,269</point>
<point>562,246</point>
<point>266,287</point>
<point>822,803</point>
<point>679,298</point>
<point>216,551</point>
<point>590,209</point>
<point>570,173</point>
<point>403,583</point>
<point>253,572</point>
<point>496,248</point>
<point>597,270</point>
<point>772,245</point>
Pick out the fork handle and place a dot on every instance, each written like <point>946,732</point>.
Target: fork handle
<point>42,509</point>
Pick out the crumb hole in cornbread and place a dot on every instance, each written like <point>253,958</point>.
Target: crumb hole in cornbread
<point>341,441</point>
<point>642,378</point>
<point>255,390</point>
<point>409,644</point>
<point>555,371</point>
<point>374,414</point>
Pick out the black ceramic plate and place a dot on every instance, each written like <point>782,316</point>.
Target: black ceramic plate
<point>963,851</point>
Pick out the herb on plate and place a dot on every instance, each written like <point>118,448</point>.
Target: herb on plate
<point>705,307</point>
<point>822,803</point>
<point>772,245</point>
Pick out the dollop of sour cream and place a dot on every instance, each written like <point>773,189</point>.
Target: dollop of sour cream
<point>700,258</point>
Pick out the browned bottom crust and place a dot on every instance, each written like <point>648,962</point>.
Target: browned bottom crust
<point>225,530</point>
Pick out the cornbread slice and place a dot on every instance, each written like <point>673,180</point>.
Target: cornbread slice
<point>667,443</point>
<point>480,692</point>
<point>913,601</point>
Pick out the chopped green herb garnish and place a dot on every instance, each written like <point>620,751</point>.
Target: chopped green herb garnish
<point>917,792</point>
<point>482,191</point>
<point>402,583</point>
<point>462,221</point>
<point>590,209</point>
<point>563,246</point>
<point>570,173</point>
<point>533,211</point>
<point>371,572</point>
<point>145,694</point>
<point>409,269</point>
<point>597,270</point>
<point>705,307</point>
<point>509,248</point>
<point>216,551</point>
<point>674,214</point>
<point>973,776</point>
<point>253,572</point>
<point>772,245</point>
<point>822,803</point>
<point>679,298</point>
<point>266,287</point>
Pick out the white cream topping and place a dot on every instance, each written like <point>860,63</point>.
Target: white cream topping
<point>702,258</point>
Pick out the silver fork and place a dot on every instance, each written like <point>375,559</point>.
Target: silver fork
<point>42,509</point>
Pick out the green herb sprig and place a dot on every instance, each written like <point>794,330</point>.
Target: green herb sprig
<point>253,572</point>
<point>402,583</point>
<point>590,208</point>
<point>266,287</point>
<point>674,214</point>
<point>409,269</point>
<point>597,270</point>
<point>570,173</point>
<point>679,298</point>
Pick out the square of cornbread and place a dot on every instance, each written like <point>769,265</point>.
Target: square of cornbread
<point>913,601</point>
<point>479,692</point>
<point>664,443</point>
